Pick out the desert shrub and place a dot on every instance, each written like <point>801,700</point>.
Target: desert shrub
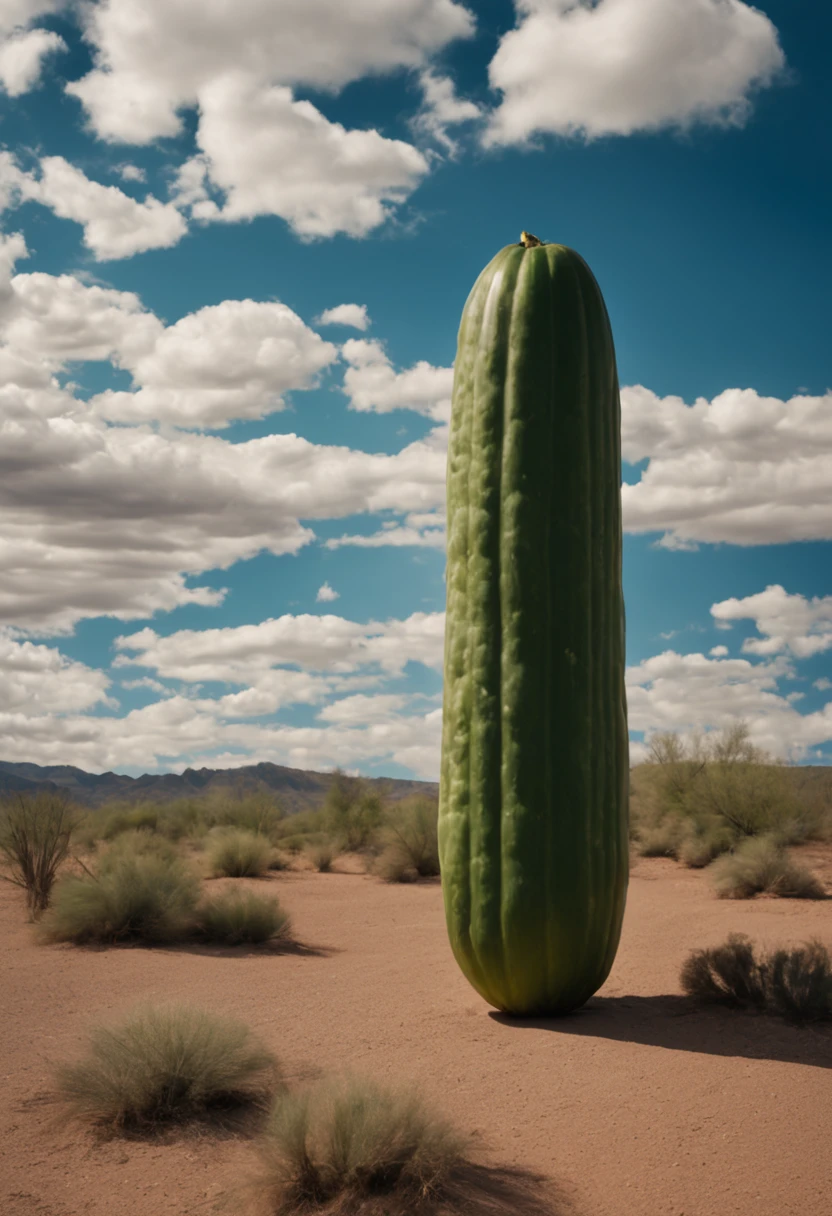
<point>352,813</point>
<point>136,843</point>
<point>322,856</point>
<point>344,1145</point>
<point>257,812</point>
<point>799,983</point>
<point>166,1063</point>
<point>235,918</point>
<point>725,975</point>
<point>293,844</point>
<point>35,836</point>
<point>661,839</point>
<point>132,896</point>
<point>279,861</point>
<point>238,853</point>
<point>759,864</point>
<point>796,984</point>
<point>412,848</point>
<point>392,865</point>
<point>134,819</point>
<point>701,842</point>
<point>721,790</point>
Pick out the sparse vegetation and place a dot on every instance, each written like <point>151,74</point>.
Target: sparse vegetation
<point>341,1145</point>
<point>236,918</point>
<point>348,1147</point>
<point>695,804</point>
<point>411,850</point>
<point>321,856</point>
<point>133,896</point>
<point>795,984</point>
<point>35,835</point>
<point>239,853</point>
<point>760,865</point>
<point>352,813</point>
<point>163,1064</point>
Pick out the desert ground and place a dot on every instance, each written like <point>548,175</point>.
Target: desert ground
<point>637,1105</point>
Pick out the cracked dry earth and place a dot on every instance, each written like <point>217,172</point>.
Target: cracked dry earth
<point>636,1105</point>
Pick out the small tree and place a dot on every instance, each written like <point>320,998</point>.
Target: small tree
<point>352,812</point>
<point>35,834</point>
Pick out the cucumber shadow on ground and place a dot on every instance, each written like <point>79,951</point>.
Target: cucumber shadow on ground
<point>678,1024</point>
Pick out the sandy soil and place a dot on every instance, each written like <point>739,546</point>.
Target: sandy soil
<point>636,1105</point>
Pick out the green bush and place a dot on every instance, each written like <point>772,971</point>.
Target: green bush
<point>135,843</point>
<point>238,853</point>
<point>759,864</point>
<point>35,835</point>
<point>352,813</point>
<point>235,918</point>
<point>703,800</point>
<point>134,819</point>
<point>163,1064</point>
<point>132,897</point>
<point>412,847</point>
<point>794,984</point>
<point>344,1145</point>
<point>256,812</point>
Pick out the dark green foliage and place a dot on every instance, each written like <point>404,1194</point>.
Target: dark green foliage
<point>795,984</point>
<point>166,1064</point>
<point>35,835</point>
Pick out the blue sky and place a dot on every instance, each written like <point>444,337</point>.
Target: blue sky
<point>236,243</point>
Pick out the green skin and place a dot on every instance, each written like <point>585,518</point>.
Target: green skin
<point>533,806</point>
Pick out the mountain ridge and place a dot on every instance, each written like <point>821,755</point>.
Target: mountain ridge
<point>296,789</point>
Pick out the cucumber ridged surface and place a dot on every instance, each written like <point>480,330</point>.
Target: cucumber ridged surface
<point>534,784</point>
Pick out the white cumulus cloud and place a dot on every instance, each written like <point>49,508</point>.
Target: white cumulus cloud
<point>153,58</point>
<point>226,361</point>
<point>326,594</point>
<point>114,225</point>
<point>22,56</point>
<point>372,384</point>
<point>614,67</point>
<point>789,623</point>
<point>742,469</point>
<point>354,315</point>
<point>270,154</point>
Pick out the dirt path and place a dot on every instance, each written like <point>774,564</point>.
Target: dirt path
<point>637,1107</point>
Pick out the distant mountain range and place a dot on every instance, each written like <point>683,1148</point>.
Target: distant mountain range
<point>295,789</point>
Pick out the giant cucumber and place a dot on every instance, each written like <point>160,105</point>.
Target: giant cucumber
<point>533,813</point>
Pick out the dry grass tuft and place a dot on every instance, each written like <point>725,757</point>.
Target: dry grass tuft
<point>760,865</point>
<point>795,984</point>
<point>166,1064</point>
<point>321,856</point>
<point>349,1147</point>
